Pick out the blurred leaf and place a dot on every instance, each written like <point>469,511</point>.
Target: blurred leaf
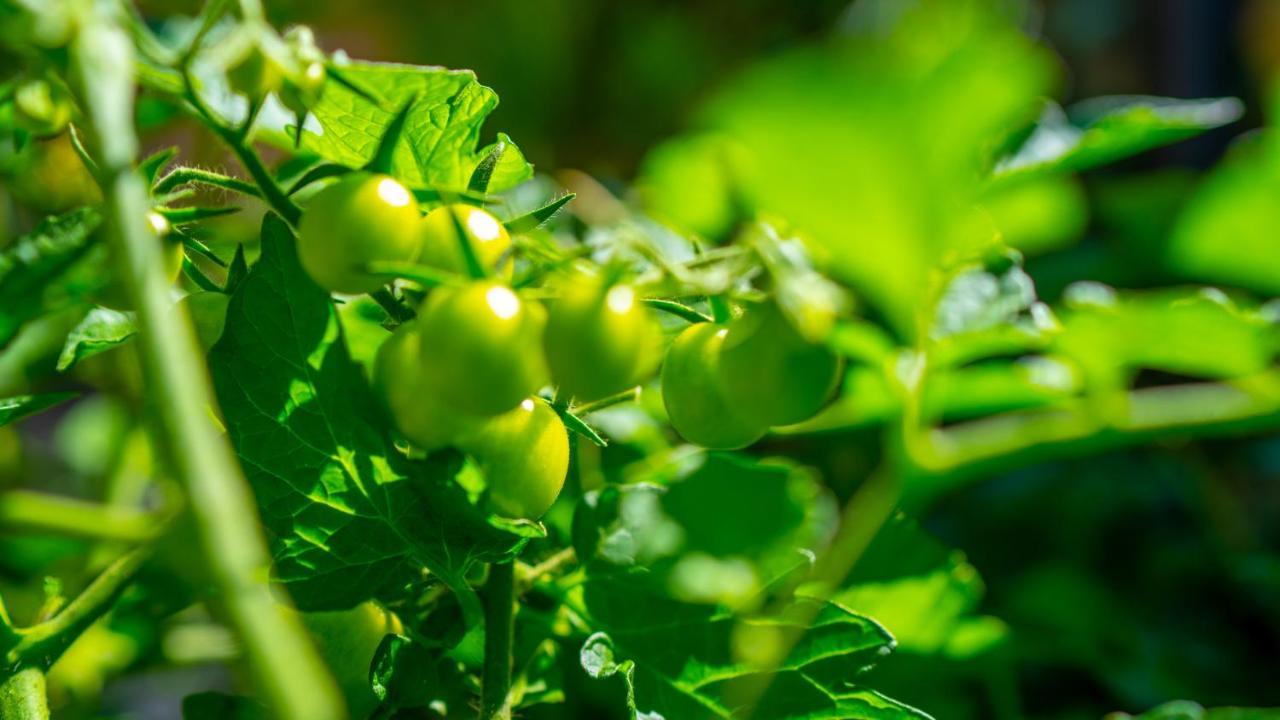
<point>1229,230</point>
<point>977,300</point>
<point>767,514</point>
<point>1201,334</point>
<point>438,146</point>
<point>689,183</point>
<point>1111,128</point>
<point>31,268</point>
<point>686,661</point>
<point>1187,710</point>
<point>874,144</point>
<point>406,674</point>
<point>1040,214</point>
<point>100,330</point>
<point>15,408</point>
<point>350,516</point>
<point>920,591</point>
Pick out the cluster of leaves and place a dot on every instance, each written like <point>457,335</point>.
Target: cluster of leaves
<point>705,584</point>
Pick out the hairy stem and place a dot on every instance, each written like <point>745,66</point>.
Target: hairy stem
<point>499,627</point>
<point>626,396</point>
<point>293,680</point>
<point>680,310</point>
<point>185,175</point>
<point>23,696</point>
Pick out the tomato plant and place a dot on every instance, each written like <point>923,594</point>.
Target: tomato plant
<point>380,422</point>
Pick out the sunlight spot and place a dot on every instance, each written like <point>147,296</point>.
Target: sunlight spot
<point>503,302</point>
<point>527,404</point>
<point>393,193</point>
<point>159,225</point>
<point>483,226</point>
<point>722,332</point>
<point>620,299</point>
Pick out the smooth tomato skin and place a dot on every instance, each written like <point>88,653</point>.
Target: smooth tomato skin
<point>48,175</point>
<point>347,641</point>
<point>414,408</point>
<point>208,313</point>
<point>692,393</point>
<point>438,234</point>
<point>770,373</point>
<point>481,347</point>
<point>360,219</point>
<point>524,455</point>
<point>600,340</point>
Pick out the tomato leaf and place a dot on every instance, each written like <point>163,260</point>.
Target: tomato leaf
<point>100,330</point>
<point>31,270</point>
<point>351,516</point>
<point>1113,128</point>
<point>13,409</point>
<point>441,131</point>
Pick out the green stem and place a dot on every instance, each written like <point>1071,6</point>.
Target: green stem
<point>184,175</point>
<point>43,513</point>
<point>626,396</point>
<point>680,310</point>
<point>475,269</point>
<point>42,644</point>
<point>720,311</point>
<point>293,680</point>
<point>270,190</point>
<point>499,628</point>
<point>23,696</point>
<point>9,635</point>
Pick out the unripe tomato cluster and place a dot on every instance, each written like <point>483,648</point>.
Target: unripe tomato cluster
<point>466,371</point>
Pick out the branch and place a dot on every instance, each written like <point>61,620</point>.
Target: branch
<point>184,175</point>
<point>293,680</point>
<point>42,644</point>
<point>944,459</point>
<point>43,513</point>
<point>499,625</point>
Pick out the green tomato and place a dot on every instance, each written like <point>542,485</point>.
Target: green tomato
<point>347,641</point>
<point>691,392</point>
<point>482,347</point>
<point>600,340</point>
<point>770,373</point>
<point>442,249</point>
<point>48,175</point>
<point>208,313</point>
<point>524,455</point>
<point>360,219</point>
<point>415,409</point>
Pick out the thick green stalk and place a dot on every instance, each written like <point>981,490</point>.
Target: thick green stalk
<point>499,628</point>
<point>23,696</point>
<point>292,679</point>
<point>25,510</point>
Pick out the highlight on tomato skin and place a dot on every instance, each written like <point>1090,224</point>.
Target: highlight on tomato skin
<point>481,347</point>
<point>360,219</point>
<point>441,246</point>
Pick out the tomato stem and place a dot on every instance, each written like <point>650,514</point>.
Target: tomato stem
<point>720,311</point>
<point>499,630</point>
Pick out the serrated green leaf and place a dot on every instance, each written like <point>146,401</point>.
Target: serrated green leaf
<point>511,169</point>
<point>703,661</point>
<point>438,147</point>
<point>31,268</point>
<point>13,409</point>
<point>100,330</point>
<point>350,515</point>
<point>1111,128</point>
